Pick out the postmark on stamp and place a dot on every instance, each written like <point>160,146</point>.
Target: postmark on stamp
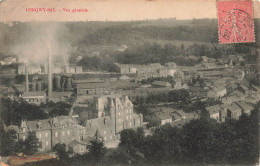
<point>235,21</point>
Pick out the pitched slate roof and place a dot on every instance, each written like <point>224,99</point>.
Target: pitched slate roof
<point>230,99</point>
<point>180,112</point>
<point>44,124</point>
<point>232,107</point>
<point>214,109</point>
<point>74,143</point>
<point>238,93</point>
<point>219,89</point>
<point>245,106</point>
<point>163,116</point>
<point>100,124</point>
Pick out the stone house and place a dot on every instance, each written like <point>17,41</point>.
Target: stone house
<point>34,97</point>
<point>77,147</point>
<point>215,112</point>
<point>114,113</point>
<point>232,111</point>
<point>163,117</point>
<point>246,108</point>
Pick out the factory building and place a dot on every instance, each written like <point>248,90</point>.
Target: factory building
<point>32,69</point>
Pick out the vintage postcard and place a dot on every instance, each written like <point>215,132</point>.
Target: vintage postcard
<point>129,82</point>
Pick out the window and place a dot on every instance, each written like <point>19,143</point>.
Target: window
<point>130,124</point>
<point>127,117</point>
<point>63,133</point>
<point>105,132</point>
<point>111,137</point>
<point>40,135</point>
<point>118,113</point>
<point>105,138</point>
<point>23,138</point>
<point>46,135</point>
<point>47,143</point>
<point>24,129</point>
<point>56,134</point>
<point>68,132</point>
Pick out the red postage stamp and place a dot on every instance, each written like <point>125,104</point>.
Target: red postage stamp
<point>235,21</point>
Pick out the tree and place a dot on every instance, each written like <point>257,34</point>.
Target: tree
<point>60,150</point>
<point>8,142</point>
<point>32,143</point>
<point>97,150</point>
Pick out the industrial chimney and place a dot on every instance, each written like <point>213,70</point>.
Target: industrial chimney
<point>26,78</point>
<point>49,74</point>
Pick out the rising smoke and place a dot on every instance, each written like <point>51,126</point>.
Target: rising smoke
<point>39,38</point>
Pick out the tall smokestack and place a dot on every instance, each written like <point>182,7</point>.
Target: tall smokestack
<point>49,74</point>
<point>26,78</point>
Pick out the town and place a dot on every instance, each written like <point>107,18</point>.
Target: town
<point>67,109</point>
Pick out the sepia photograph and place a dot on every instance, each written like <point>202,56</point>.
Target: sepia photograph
<point>133,83</point>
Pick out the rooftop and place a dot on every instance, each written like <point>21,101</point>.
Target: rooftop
<point>163,116</point>
<point>32,94</point>
<point>98,124</point>
<point>214,109</point>
<point>244,105</point>
<point>161,83</point>
<point>232,107</point>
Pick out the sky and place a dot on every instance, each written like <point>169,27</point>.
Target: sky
<point>110,10</point>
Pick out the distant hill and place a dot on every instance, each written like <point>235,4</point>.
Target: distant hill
<point>83,35</point>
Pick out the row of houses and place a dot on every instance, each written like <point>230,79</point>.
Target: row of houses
<point>172,116</point>
<point>149,70</point>
<point>207,92</point>
<point>229,110</point>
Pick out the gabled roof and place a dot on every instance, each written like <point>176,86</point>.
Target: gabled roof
<point>44,125</point>
<point>230,99</point>
<point>238,93</point>
<point>214,109</point>
<point>180,112</point>
<point>243,86</point>
<point>163,116</point>
<point>245,106</point>
<point>74,143</point>
<point>232,107</point>
<point>219,89</point>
